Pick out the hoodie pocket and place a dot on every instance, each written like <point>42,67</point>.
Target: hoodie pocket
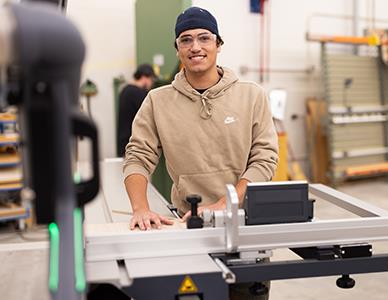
<point>210,186</point>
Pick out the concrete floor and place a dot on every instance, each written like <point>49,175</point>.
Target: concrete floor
<point>28,279</point>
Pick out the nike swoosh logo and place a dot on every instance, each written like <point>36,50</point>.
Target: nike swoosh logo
<point>229,120</point>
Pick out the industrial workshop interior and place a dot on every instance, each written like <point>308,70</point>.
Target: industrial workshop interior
<point>194,149</point>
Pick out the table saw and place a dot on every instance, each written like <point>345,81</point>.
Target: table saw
<point>179,262</point>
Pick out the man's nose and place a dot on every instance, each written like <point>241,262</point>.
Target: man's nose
<point>196,46</point>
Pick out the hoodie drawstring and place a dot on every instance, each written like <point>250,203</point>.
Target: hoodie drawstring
<point>206,109</point>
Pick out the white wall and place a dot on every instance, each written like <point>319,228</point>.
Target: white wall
<point>108,28</point>
<point>240,30</point>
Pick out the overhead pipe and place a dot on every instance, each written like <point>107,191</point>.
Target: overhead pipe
<point>307,71</point>
<point>339,16</point>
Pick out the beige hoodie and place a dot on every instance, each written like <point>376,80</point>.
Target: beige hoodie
<point>208,140</point>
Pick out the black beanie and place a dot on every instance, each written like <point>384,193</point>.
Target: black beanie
<point>196,17</point>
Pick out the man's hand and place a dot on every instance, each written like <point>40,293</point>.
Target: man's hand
<point>241,187</point>
<point>144,218</point>
<point>136,185</point>
<point>219,205</point>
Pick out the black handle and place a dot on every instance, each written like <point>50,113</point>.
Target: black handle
<point>194,200</point>
<point>194,220</point>
<point>85,127</point>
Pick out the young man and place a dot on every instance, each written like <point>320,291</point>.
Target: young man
<point>131,98</point>
<point>212,128</point>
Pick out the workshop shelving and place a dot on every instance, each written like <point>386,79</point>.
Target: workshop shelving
<point>11,208</point>
<point>357,114</point>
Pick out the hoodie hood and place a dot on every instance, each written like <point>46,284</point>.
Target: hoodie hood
<point>228,78</point>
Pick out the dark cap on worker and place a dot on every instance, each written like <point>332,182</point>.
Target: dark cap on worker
<point>144,70</point>
<point>196,17</point>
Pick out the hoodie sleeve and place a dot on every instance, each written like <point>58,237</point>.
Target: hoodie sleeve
<point>263,157</point>
<point>144,149</point>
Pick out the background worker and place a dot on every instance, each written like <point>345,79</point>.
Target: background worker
<point>130,100</point>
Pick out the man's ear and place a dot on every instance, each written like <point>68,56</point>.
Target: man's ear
<point>218,49</point>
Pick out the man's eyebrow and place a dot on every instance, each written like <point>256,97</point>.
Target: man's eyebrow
<point>203,32</point>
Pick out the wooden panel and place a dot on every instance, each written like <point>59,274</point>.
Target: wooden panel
<point>123,227</point>
<point>367,169</point>
<point>7,117</point>
<point>10,175</point>
<point>282,168</point>
<point>317,140</point>
<point>11,210</point>
<point>342,164</point>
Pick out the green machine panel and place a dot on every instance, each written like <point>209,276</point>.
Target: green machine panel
<point>155,35</point>
<point>155,24</point>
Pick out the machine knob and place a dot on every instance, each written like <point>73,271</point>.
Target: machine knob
<point>258,289</point>
<point>194,220</point>
<point>345,282</point>
<point>194,200</point>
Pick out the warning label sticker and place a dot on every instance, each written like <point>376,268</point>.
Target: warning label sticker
<point>188,286</point>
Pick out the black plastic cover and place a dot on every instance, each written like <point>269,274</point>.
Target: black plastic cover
<point>283,202</point>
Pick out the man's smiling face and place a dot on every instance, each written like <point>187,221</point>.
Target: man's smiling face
<point>200,55</point>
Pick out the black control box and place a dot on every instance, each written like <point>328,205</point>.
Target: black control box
<point>277,202</point>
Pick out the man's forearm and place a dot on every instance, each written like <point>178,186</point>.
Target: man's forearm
<point>136,186</point>
<point>241,188</point>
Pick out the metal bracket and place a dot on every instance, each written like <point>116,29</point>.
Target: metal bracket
<point>248,257</point>
<point>216,218</point>
<point>231,219</point>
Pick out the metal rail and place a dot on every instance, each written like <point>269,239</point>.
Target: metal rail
<point>347,202</point>
<point>132,245</point>
<point>211,240</point>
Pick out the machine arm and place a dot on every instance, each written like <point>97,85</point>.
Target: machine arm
<point>41,53</point>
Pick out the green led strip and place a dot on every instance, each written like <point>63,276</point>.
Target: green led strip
<point>54,257</point>
<point>77,177</point>
<point>80,281</point>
